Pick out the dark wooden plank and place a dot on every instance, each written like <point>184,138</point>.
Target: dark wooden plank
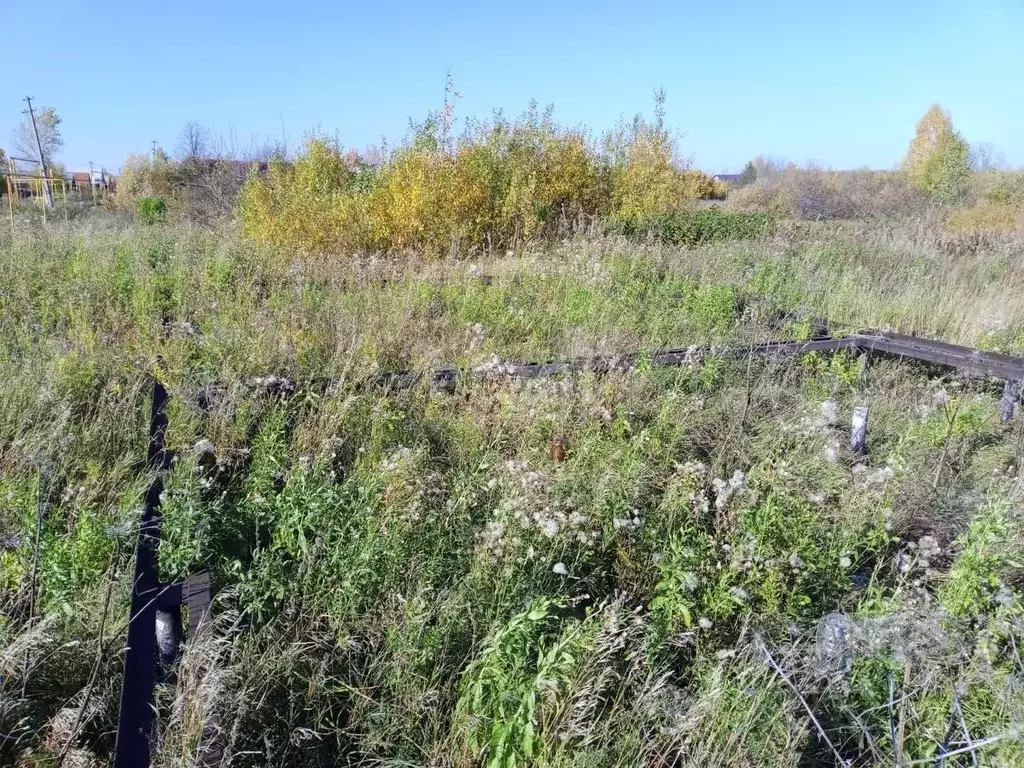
<point>135,718</point>
<point>885,343</point>
<point>167,595</point>
<point>197,600</point>
<point>972,361</point>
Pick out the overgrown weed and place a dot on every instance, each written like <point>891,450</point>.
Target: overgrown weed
<point>583,570</point>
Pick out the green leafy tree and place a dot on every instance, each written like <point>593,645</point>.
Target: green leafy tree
<point>748,175</point>
<point>48,124</point>
<point>938,160</point>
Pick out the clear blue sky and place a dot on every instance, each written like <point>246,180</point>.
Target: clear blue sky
<point>841,83</point>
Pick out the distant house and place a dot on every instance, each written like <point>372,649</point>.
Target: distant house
<point>85,180</point>
<point>729,178</point>
<point>80,180</point>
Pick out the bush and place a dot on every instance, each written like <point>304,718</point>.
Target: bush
<point>500,184</point>
<point>695,227</point>
<point>999,204</point>
<point>1000,217</point>
<point>141,177</point>
<point>1000,187</point>
<point>810,193</point>
<point>206,188</point>
<point>151,210</point>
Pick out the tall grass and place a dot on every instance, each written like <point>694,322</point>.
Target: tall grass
<point>418,577</point>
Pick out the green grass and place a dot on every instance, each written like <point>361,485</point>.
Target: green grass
<point>410,578</point>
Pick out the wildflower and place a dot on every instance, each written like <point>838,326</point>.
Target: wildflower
<point>1004,596</point>
<point>620,523</point>
<point>560,569</point>
<point>203,446</point>
<point>739,594</point>
<point>491,537</point>
<point>725,489</point>
<point>692,469</point>
<point>400,457</point>
<point>693,357</point>
<point>832,452</point>
<point>928,547</point>
<point>845,562</point>
<point>796,562</point>
<point>704,623</point>
<point>493,368</point>
<point>688,581</point>
<point>902,562</point>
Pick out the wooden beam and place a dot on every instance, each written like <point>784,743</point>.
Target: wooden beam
<point>135,718</point>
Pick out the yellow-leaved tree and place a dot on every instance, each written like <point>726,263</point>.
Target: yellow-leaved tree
<point>938,160</point>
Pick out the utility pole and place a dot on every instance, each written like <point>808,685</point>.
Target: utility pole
<point>47,197</point>
<point>11,191</point>
<point>92,184</point>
